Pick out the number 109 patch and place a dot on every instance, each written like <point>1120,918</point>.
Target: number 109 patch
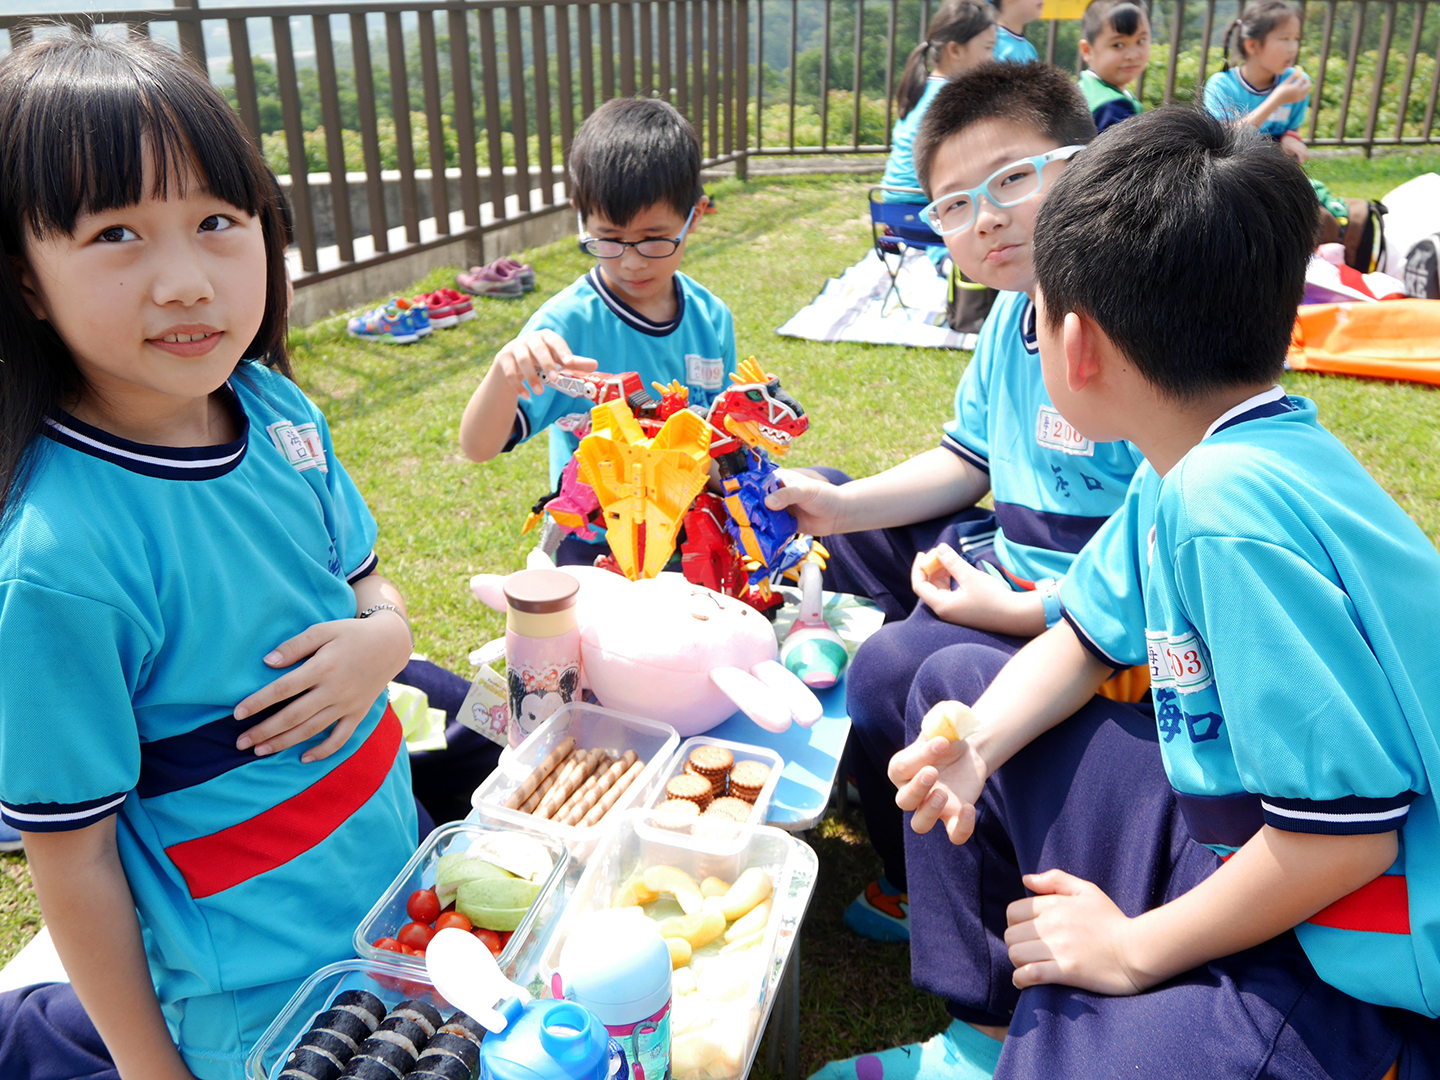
<point>1179,663</point>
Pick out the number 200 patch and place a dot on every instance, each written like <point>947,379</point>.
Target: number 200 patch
<point>1178,662</point>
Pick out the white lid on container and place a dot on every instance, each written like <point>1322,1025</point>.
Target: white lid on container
<point>617,966</point>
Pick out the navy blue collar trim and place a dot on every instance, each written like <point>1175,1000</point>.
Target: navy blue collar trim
<point>1270,408</point>
<point>628,315</point>
<point>1029,336</point>
<point>1006,30</point>
<point>1254,90</point>
<point>162,462</point>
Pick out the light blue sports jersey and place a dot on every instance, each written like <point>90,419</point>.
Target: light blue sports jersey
<point>1230,97</point>
<point>1103,595</point>
<point>1289,609</point>
<point>140,587</point>
<point>900,165</point>
<point>1053,487</point>
<point>1013,47</point>
<point>697,348</point>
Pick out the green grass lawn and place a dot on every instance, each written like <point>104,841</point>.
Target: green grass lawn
<point>394,413</point>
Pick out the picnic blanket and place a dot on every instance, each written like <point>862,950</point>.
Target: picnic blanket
<point>855,307</point>
<point>1391,339</point>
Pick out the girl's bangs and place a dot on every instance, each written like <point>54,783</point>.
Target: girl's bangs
<point>113,112</point>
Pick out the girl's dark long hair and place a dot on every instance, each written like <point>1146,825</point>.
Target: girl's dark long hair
<point>957,21</point>
<point>1255,24</point>
<point>77,114</point>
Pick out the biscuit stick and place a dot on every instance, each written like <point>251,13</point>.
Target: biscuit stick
<point>601,808</point>
<point>601,764</point>
<point>545,768</point>
<point>562,770</point>
<point>566,785</point>
<point>606,780</point>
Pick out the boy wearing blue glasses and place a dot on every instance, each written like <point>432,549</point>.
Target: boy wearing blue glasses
<point>992,143</point>
<point>635,184</point>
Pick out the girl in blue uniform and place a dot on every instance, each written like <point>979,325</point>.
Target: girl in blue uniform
<point>213,791</point>
<point>1264,89</point>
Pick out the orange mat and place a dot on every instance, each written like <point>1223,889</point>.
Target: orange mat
<point>1394,339</point>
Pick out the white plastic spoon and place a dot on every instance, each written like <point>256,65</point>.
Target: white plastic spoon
<point>466,975</point>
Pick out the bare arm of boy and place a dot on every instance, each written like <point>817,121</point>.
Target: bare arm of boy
<point>1045,682</point>
<point>518,371</point>
<point>90,913</point>
<point>1072,933</point>
<point>926,486</point>
<point>962,594</point>
<point>350,661</point>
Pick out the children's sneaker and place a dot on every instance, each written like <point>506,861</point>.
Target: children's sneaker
<point>493,280</point>
<point>10,839</point>
<point>524,271</point>
<point>386,324</point>
<point>447,308</point>
<point>419,315</point>
<point>880,913</point>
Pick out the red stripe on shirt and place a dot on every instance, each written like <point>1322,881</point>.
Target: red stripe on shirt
<point>222,860</point>
<point>1381,907</point>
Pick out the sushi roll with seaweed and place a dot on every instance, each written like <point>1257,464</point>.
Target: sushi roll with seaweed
<point>422,1012</point>
<point>313,1064</point>
<point>346,1024</point>
<point>391,1052</point>
<point>403,1033</point>
<point>466,1026</point>
<point>336,1045</point>
<point>445,1068</point>
<point>365,1067</point>
<point>363,1004</point>
<point>448,1044</point>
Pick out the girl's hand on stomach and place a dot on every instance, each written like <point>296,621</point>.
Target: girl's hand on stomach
<point>814,503</point>
<point>524,362</point>
<point>965,595</point>
<point>939,780</point>
<point>350,661</point>
<point>1295,88</point>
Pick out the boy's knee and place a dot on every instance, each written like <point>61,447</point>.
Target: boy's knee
<point>959,673</point>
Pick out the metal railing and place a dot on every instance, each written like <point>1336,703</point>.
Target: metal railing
<point>500,86</point>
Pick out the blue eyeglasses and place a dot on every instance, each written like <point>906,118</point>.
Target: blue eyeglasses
<point>1007,186</point>
<point>655,247</point>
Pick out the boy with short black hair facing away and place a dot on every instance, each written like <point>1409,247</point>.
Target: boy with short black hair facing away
<point>991,145</point>
<point>1115,45</point>
<point>1248,887</point>
<point>635,185</point>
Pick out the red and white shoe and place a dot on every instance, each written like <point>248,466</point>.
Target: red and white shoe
<point>455,306</point>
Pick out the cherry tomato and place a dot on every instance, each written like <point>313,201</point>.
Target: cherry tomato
<point>419,991</point>
<point>491,940</point>
<point>448,919</point>
<point>389,944</point>
<point>415,934</point>
<point>423,906</point>
<point>505,936</point>
<point>408,951</point>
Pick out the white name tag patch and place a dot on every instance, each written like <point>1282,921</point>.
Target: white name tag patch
<point>703,372</point>
<point>301,444</point>
<point>1052,432</point>
<point>1177,663</point>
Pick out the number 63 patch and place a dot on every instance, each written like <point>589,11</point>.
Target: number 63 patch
<point>1178,662</point>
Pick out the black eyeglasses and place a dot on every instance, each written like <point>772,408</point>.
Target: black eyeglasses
<point>655,247</point>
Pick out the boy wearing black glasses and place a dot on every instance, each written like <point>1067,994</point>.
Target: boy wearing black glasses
<point>635,185</point>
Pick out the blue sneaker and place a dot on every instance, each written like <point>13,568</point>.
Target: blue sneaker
<point>419,314</point>
<point>957,1053</point>
<point>388,324</point>
<point>10,839</point>
<point>880,913</point>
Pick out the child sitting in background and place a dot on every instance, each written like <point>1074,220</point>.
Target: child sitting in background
<point>1011,18</point>
<point>1115,45</point>
<point>1245,888</point>
<point>1266,90</point>
<point>961,35</point>
<point>990,146</point>
<point>635,184</point>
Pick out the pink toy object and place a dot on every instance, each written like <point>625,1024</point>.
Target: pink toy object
<point>669,650</point>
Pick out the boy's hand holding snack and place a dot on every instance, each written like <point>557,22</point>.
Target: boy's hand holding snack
<point>963,594</point>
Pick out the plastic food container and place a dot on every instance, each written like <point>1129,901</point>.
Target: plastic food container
<point>592,728</point>
<point>741,752</point>
<point>389,915</point>
<point>391,982</point>
<point>639,843</point>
